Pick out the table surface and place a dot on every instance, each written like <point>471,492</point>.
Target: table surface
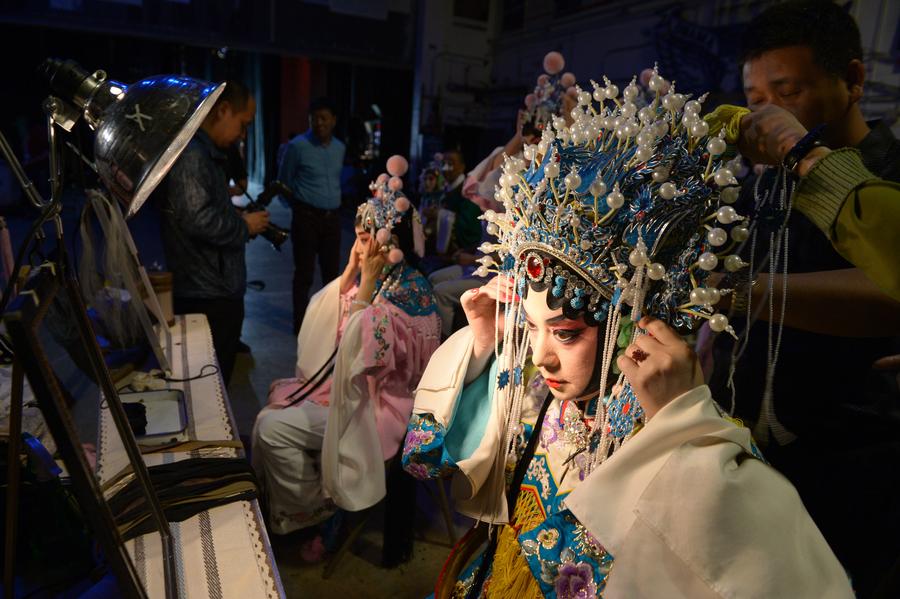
<point>223,552</point>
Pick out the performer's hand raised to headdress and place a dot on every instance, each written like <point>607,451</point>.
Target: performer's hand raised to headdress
<point>480,306</point>
<point>659,365</point>
<point>355,256</point>
<point>372,260</point>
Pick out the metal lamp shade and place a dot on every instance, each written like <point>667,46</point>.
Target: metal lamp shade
<point>142,134</point>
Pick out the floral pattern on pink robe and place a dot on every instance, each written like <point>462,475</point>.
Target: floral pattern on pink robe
<point>401,329</point>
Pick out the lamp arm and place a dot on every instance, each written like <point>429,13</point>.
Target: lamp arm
<point>55,163</point>
<point>27,186</point>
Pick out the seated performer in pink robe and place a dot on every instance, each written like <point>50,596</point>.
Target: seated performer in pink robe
<point>322,441</point>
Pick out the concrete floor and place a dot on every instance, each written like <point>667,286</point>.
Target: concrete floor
<point>267,330</point>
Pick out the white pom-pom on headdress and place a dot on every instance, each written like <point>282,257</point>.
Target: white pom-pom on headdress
<point>397,165</point>
<point>554,62</point>
<point>401,204</point>
<point>395,256</point>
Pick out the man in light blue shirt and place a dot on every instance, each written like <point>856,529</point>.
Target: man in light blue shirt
<point>311,167</point>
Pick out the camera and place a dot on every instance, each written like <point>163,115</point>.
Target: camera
<point>273,233</point>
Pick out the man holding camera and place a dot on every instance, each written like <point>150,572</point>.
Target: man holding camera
<point>311,167</point>
<point>203,233</point>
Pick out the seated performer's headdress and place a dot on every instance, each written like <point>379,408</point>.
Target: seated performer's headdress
<point>433,168</point>
<point>546,101</point>
<point>387,208</point>
<point>625,207</point>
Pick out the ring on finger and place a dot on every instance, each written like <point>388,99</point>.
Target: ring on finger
<point>639,355</point>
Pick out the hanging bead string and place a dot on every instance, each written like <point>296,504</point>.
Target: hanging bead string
<point>514,356</point>
<point>739,346</point>
<point>518,389</point>
<point>609,443</point>
<point>600,425</point>
<point>775,244</point>
<point>390,283</point>
<point>779,253</point>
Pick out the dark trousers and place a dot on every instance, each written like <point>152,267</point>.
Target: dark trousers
<point>314,232</point>
<point>226,317</point>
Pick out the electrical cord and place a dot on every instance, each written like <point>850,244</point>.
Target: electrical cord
<point>201,375</point>
<point>139,385</point>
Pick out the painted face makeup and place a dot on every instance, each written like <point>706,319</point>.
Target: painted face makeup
<point>563,350</point>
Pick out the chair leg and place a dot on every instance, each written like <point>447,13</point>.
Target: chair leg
<point>445,510</point>
<point>345,546</point>
<point>399,517</point>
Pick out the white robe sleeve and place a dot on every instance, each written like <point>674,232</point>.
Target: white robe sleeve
<point>352,467</point>
<point>478,486</point>
<point>686,511</point>
<point>318,333</point>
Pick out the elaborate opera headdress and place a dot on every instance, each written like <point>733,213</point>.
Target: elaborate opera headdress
<point>433,168</point>
<point>625,211</point>
<point>546,101</point>
<point>386,209</point>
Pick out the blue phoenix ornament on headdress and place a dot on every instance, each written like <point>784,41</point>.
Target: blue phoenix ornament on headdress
<point>625,210</point>
<point>617,194</point>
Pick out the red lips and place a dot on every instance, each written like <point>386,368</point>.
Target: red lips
<point>553,383</point>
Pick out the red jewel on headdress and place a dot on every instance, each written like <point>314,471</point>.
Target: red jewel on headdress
<point>535,266</point>
<point>640,215</point>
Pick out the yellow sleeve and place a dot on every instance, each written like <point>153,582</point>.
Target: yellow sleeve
<point>858,212</point>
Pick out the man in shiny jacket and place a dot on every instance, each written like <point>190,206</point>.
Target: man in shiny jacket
<point>203,233</point>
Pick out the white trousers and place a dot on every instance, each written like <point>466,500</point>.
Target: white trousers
<point>287,445</point>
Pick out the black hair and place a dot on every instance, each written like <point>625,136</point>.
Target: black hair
<point>323,103</point>
<point>236,94</point>
<point>458,153</point>
<point>826,28</point>
<point>564,303</point>
<point>403,231</point>
<point>530,129</point>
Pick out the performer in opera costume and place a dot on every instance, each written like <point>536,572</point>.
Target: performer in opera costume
<point>587,482</point>
<point>322,441</point>
<point>552,98</point>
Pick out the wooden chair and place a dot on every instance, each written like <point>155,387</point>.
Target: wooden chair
<point>398,523</point>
